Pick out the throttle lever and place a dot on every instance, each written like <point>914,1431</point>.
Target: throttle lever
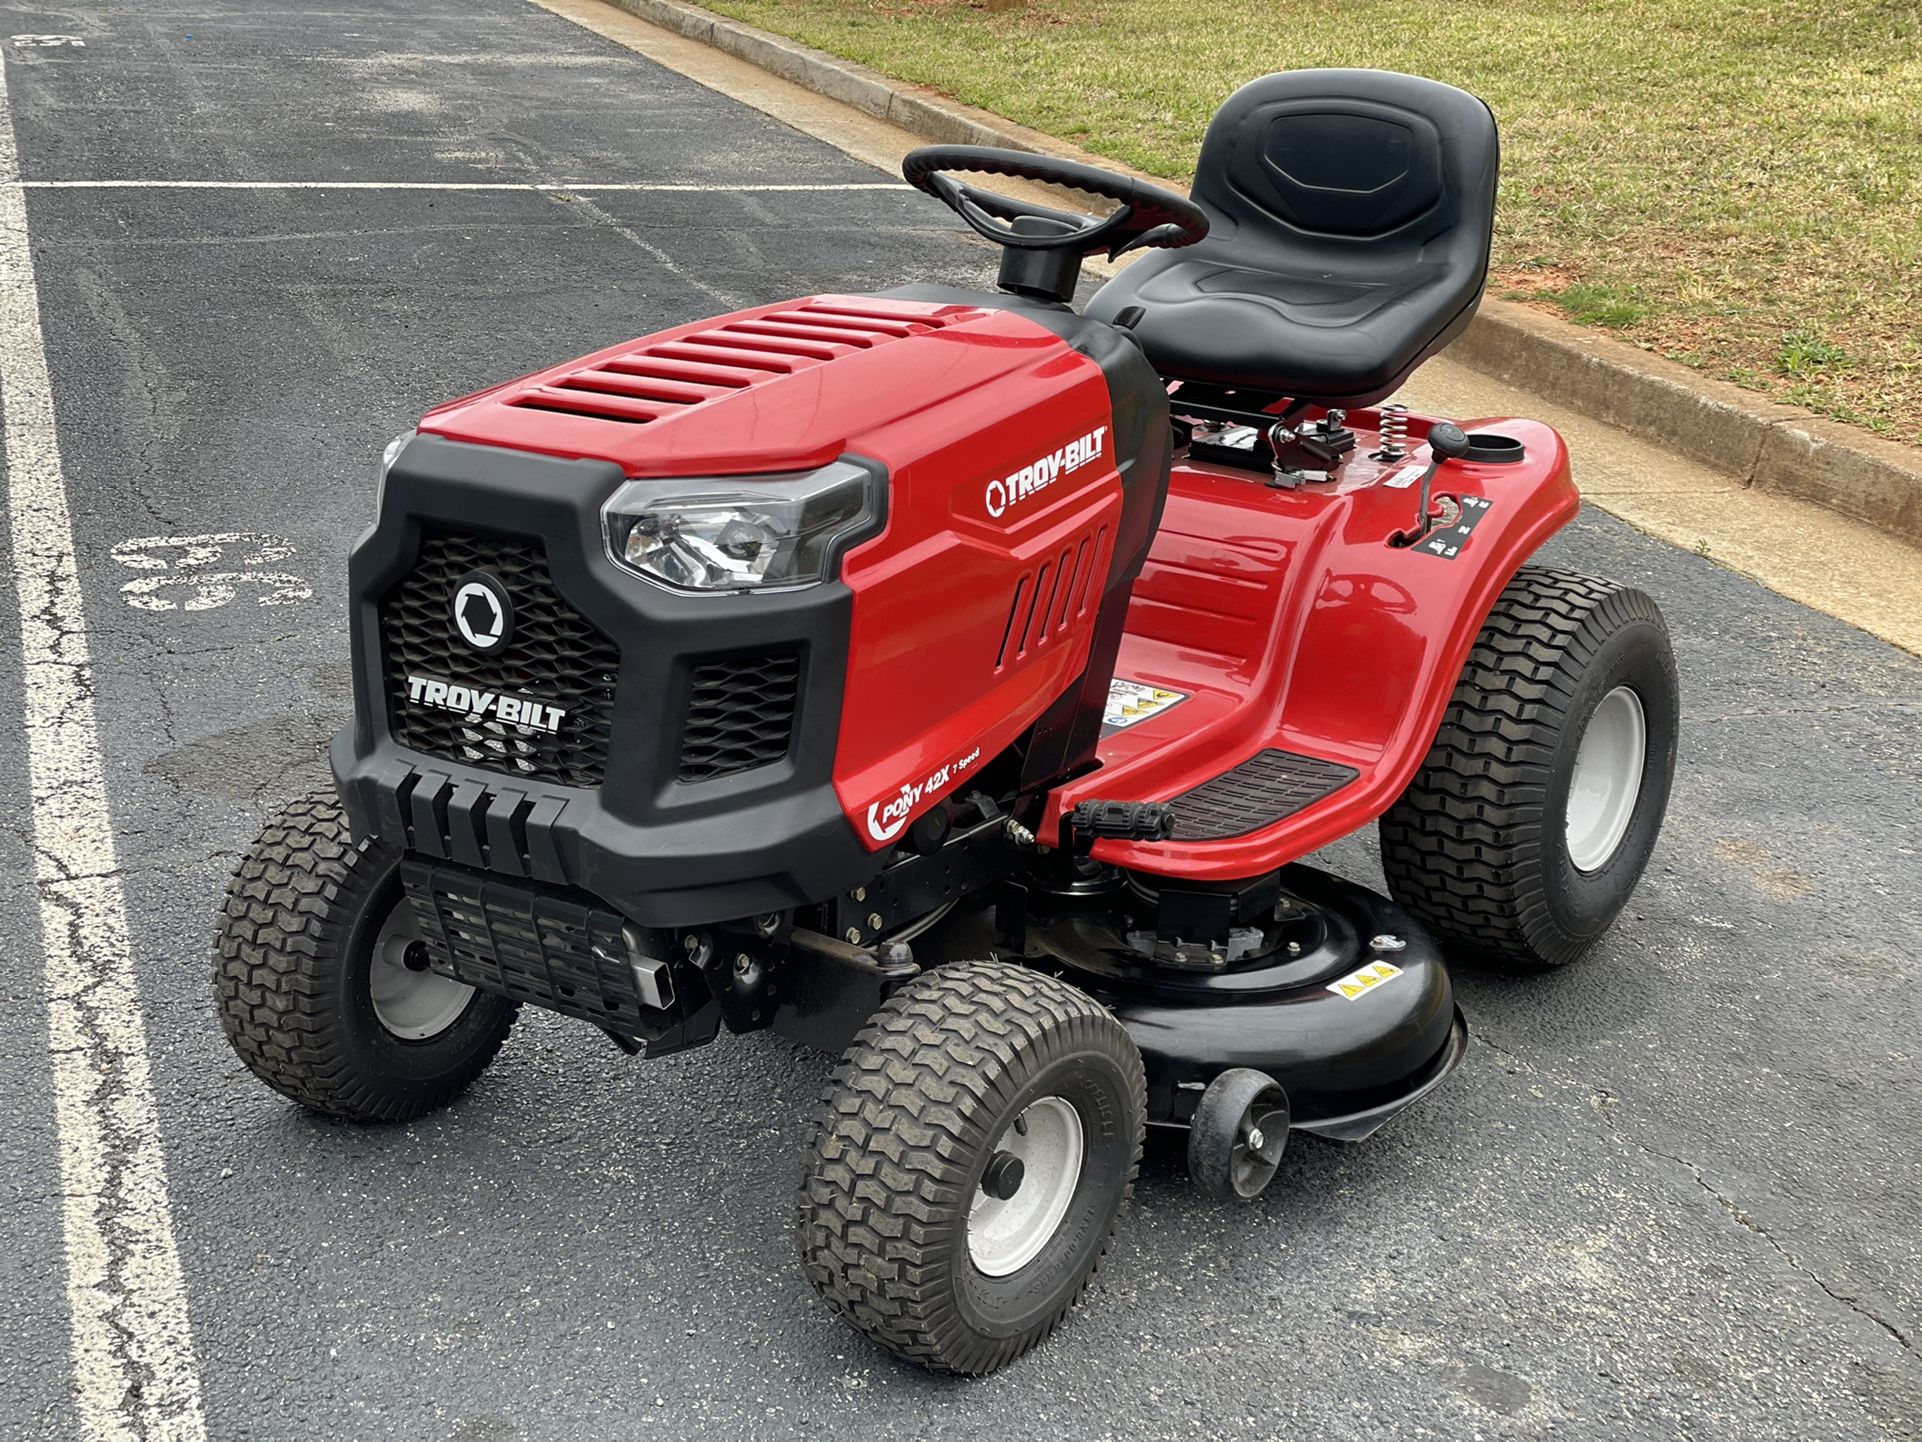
<point>1446,442</point>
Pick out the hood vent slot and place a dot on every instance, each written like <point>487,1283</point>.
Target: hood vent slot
<point>1051,601</point>
<point>661,379</point>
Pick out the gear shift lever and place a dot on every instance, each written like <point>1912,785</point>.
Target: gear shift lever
<point>1446,442</point>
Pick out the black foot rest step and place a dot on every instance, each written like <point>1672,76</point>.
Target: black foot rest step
<point>1124,820</point>
<point>1264,789</point>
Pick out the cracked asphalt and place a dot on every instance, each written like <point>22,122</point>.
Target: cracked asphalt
<point>1672,1193</point>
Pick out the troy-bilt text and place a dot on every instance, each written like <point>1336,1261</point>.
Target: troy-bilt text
<point>1039,475</point>
<point>477,705</point>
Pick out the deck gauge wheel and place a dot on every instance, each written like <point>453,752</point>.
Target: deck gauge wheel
<point>1239,1131</point>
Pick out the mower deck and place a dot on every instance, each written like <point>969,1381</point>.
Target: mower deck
<point>1347,1005</point>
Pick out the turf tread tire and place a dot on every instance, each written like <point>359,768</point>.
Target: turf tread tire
<point>891,1158</point>
<point>1464,848</point>
<point>290,914</point>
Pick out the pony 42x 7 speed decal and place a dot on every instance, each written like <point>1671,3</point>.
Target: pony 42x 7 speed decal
<point>888,817</point>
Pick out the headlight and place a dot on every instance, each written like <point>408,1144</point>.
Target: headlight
<point>392,453</point>
<point>740,533</point>
<point>387,459</point>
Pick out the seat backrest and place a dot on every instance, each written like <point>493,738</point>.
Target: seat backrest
<point>1369,166</point>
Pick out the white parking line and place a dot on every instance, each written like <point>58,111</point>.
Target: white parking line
<point>133,1359</point>
<point>669,187</point>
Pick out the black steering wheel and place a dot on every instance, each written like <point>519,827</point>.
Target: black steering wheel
<point>1145,215</point>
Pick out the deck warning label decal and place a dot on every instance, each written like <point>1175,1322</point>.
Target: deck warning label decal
<point>1360,983</point>
<point>1132,701</point>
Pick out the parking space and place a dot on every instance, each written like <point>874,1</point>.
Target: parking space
<point>1669,1194</point>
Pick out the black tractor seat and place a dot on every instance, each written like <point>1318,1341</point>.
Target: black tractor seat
<point>1351,213</point>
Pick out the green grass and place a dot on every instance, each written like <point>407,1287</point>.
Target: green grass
<point>1803,354</point>
<point>1597,305</point>
<point>1735,183</point>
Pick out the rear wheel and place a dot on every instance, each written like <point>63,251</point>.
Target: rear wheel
<point>1534,814</point>
<point>322,982</point>
<point>975,1152</point>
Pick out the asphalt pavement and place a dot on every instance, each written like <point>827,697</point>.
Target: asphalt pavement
<point>1671,1193</point>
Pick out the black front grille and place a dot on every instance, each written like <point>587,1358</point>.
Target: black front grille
<point>740,715</point>
<point>553,656</point>
<point>536,945</point>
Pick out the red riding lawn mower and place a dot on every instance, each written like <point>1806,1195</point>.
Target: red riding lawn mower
<point>956,679</point>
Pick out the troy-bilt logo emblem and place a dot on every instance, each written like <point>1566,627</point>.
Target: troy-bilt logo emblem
<point>1040,474</point>
<point>482,613</point>
<point>478,705</point>
<point>887,818</point>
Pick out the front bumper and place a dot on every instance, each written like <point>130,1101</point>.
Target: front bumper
<point>662,850</point>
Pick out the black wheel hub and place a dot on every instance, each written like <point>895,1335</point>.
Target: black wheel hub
<point>1002,1179</point>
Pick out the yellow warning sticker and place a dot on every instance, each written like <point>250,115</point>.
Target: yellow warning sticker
<point>1133,701</point>
<point>1360,983</point>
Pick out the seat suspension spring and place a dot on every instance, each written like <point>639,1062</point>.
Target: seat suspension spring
<point>1394,432</point>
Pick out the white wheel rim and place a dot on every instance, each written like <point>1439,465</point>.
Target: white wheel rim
<point>413,1005</point>
<point>1005,1235</point>
<point>1607,779</point>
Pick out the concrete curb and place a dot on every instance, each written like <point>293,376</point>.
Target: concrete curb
<point>1765,444</point>
<point>1771,446</point>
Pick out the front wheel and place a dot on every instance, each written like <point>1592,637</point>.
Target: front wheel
<point>1536,810</point>
<point>322,982</point>
<point>976,1149</point>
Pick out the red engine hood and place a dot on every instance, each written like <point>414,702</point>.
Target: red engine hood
<point>778,388</point>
